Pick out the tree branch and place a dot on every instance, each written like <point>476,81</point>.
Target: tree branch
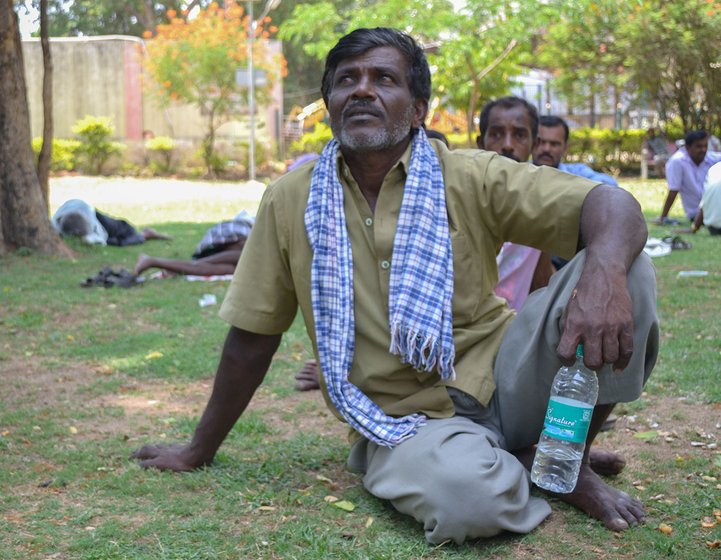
<point>488,69</point>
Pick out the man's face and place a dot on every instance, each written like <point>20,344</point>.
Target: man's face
<point>370,103</point>
<point>697,150</point>
<point>509,133</point>
<point>551,146</point>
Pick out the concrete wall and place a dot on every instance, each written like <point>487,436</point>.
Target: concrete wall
<point>102,76</point>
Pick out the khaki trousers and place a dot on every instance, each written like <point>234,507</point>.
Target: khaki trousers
<point>456,476</point>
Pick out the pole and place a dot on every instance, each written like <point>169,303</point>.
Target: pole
<point>251,93</point>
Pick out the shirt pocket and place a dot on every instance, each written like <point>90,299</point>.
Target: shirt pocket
<point>467,283</point>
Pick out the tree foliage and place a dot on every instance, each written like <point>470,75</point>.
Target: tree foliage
<point>474,53</point>
<point>69,18</point>
<point>673,51</point>
<point>194,61</point>
<point>582,50</point>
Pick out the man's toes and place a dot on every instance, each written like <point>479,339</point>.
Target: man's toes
<point>616,524</point>
<point>305,385</point>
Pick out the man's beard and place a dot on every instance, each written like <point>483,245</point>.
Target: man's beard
<point>380,139</point>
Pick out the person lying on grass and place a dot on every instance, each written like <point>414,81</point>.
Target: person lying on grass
<point>387,243</point>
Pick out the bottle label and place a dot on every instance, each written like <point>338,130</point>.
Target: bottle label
<point>567,419</point>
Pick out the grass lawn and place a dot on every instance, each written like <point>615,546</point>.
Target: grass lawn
<point>89,375</point>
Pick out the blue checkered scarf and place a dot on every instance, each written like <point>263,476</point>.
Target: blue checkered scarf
<point>421,288</point>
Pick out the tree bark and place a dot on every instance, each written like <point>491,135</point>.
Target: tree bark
<point>45,156</point>
<point>24,220</point>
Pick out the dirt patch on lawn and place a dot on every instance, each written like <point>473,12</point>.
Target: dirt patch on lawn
<point>665,426</point>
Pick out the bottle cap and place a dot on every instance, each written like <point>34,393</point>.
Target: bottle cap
<point>579,351</point>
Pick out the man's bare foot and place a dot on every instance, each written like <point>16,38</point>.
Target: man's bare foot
<point>142,264</point>
<point>306,379</point>
<point>150,233</point>
<point>617,510</point>
<point>606,463</point>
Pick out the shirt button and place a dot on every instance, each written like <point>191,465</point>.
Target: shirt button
<point>385,265</point>
<point>369,222</point>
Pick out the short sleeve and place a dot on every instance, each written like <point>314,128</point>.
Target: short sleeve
<point>537,206</point>
<point>261,297</point>
<point>674,174</point>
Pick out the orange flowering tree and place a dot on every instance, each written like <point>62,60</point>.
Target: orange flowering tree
<point>194,61</point>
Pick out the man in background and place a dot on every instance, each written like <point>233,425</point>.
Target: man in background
<point>77,218</point>
<point>551,148</point>
<point>508,126</point>
<point>685,174</point>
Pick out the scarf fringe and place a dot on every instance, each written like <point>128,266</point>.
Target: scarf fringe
<point>420,350</point>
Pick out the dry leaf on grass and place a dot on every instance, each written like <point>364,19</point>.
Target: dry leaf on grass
<point>665,528</point>
<point>345,505</point>
<point>652,434</point>
<point>708,523</point>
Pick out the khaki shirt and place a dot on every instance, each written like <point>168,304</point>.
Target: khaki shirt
<point>490,199</point>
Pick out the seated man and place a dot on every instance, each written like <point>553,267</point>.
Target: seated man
<point>508,126</point>
<point>685,174</point>
<point>709,212</point>
<point>387,244</point>
<point>658,147</point>
<point>551,148</point>
<point>77,218</point>
<point>217,253</point>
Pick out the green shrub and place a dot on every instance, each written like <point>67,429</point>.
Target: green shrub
<point>64,153</point>
<point>96,148</point>
<point>610,150</point>
<point>314,141</point>
<point>162,147</point>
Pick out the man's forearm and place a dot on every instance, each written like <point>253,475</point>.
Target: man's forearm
<point>613,229</point>
<point>243,364</point>
<point>670,198</point>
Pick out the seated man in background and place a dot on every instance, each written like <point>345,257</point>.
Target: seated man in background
<point>551,148</point>
<point>685,174</point>
<point>709,212</point>
<point>77,218</point>
<point>659,151</point>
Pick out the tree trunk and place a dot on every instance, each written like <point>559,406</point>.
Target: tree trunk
<point>46,152</point>
<point>24,218</point>
<point>592,109</point>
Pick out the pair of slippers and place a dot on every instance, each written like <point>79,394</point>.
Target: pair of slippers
<point>661,247</point>
<point>107,278</point>
<point>676,243</point>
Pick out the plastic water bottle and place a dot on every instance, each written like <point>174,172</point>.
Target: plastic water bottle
<point>560,448</point>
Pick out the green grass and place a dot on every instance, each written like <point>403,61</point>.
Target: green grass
<point>91,374</point>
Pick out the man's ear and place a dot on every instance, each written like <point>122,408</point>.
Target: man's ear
<point>421,112</point>
<point>479,142</point>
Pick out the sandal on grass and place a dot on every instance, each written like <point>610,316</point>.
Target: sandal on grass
<point>107,278</point>
<point>677,244</point>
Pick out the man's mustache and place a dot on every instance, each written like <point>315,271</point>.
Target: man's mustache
<point>511,155</point>
<point>362,107</point>
<point>545,154</point>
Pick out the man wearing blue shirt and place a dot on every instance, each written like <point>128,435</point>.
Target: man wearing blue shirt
<point>551,146</point>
